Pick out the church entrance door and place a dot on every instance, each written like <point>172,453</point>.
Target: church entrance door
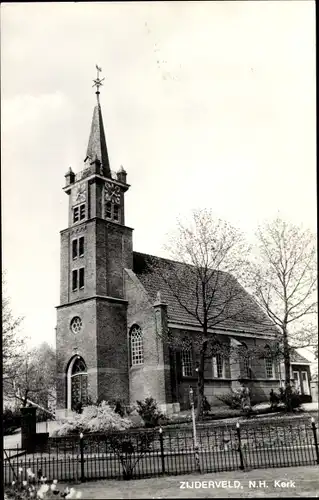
<point>78,384</point>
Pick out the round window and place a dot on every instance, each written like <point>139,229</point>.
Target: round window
<point>76,324</point>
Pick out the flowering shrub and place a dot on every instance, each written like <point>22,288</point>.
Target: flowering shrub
<point>101,418</point>
<point>37,487</point>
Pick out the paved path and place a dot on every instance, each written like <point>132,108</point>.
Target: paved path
<point>311,406</point>
<point>283,482</point>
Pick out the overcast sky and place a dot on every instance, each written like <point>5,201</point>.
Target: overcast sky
<point>205,105</point>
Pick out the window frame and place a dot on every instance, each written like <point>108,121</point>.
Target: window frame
<point>108,210</point>
<point>187,362</point>
<point>247,371</point>
<point>82,211</point>
<point>218,366</point>
<point>136,340</point>
<point>74,280</point>
<point>74,249</point>
<point>112,211</point>
<point>76,214</point>
<point>268,359</point>
<point>81,239</point>
<point>116,213</point>
<point>81,278</point>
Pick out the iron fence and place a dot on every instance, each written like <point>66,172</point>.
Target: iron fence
<point>156,452</point>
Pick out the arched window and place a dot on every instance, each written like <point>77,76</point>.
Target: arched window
<point>245,364</point>
<point>136,346</point>
<point>269,363</point>
<point>77,383</point>
<point>218,361</point>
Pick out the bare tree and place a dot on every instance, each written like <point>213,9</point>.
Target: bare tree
<point>209,256</point>
<point>34,378</point>
<point>284,283</point>
<point>12,340</point>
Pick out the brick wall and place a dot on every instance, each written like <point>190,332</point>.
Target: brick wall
<point>112,350</point>
<point>84,341</point>
<point>147,379</point>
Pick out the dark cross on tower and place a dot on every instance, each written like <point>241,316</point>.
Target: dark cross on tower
<point>97,82</point>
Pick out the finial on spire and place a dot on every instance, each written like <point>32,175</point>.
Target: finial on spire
<point>98,82</point>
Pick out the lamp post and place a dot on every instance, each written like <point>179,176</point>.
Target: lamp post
<point>191,399</point>
<point>82,457</point>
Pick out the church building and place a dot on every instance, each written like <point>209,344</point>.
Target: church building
<point>114,307</point>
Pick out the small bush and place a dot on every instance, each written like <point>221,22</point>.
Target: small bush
<point>274,399</point>
<point>231,399</point>
<point>150,412</point>
<point>283,398</point>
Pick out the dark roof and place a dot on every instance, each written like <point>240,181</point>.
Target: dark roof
<point>243,314</point>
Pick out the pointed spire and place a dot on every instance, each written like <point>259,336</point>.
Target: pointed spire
<point>97,149</point>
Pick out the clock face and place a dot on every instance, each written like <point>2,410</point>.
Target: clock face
<point>79,194</point>
<point>112,193</point>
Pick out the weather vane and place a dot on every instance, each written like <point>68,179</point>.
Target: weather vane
<point>97,82</point>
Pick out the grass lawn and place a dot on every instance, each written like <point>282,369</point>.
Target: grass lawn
<point>305,484</point>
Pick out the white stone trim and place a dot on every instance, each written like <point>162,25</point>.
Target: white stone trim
<point>150,368</point>
<point>217,331</point>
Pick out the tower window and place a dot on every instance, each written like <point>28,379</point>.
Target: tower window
<point>108,210</point>
<point>74,279</point>
<point>76,214</point>
<point>81,246</point>
<point>74,249</point>
<point>81,277</point>
<point>78,247</point>
<point>82,211</point>
<point>112,211</point>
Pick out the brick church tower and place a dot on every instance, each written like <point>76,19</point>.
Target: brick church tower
<point>96,247</point>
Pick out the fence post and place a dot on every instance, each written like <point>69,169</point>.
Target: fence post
<point>162,449</point>
<point>82,457</point>
<point>197,460</point>
<point>314,429</point>
<point>239,447</point>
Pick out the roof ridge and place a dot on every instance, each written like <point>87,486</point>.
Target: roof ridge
<point>180,262</point>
